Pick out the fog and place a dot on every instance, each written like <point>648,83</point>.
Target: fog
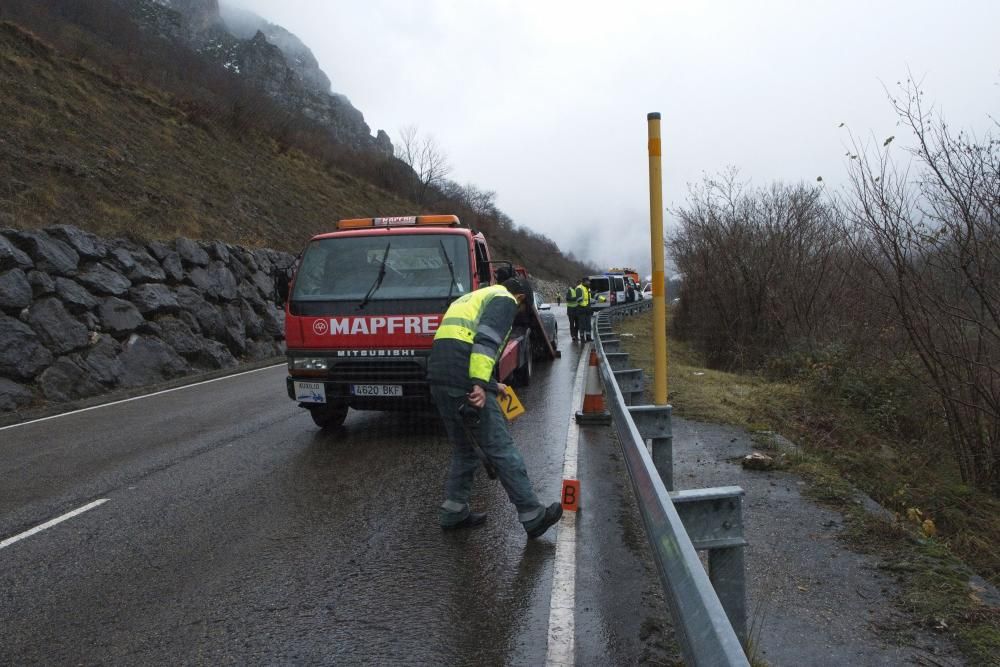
<point>546,102</point>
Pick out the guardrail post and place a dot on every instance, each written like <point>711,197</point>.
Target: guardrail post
<point>653,423</point>
<point>618,360</point>
<point>713,518</point>
<point>662,451</point>
<point>610,344</point>
<point>630,382</point>
<point>726,572</point>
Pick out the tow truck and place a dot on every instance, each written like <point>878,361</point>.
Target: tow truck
<point>362,304</point>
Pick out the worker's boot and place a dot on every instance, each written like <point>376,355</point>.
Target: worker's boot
<point>473,520</point>
<point>551,516</point>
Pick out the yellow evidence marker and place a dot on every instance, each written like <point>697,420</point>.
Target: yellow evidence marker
<point>510,406</point>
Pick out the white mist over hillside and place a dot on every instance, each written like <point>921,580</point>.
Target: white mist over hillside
<point>546,103</point>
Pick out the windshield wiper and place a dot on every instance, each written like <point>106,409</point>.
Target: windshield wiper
<point>378,278</point>
<point>451,268</point>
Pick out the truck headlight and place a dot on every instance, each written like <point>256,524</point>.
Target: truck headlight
<point>308,364</point>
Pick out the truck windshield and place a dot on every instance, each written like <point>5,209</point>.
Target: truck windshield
<point>416,267</point>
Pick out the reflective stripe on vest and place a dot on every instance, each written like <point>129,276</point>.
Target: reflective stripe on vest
<point>481,366</point>
<point>584,298</point>
<point>462,318</point>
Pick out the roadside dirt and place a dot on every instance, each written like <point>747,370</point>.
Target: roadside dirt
<point>810,599</point>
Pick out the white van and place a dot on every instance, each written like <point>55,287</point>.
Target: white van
<point>618,287</point>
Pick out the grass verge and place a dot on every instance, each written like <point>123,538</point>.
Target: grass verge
<point>938,524</point>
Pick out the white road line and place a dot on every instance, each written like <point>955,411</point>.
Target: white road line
<point>561,647</point>
<point>48,524</point>
<point>136,398</point>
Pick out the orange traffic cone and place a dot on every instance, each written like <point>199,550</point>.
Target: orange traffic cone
<point>594,411</point>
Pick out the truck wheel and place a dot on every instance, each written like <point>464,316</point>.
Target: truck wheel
<point>521,377</point>
<point>328,416</point>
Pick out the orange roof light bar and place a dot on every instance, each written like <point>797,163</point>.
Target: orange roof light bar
<point>399,221</point>
<point>438,220</point>
<point>354,223</point>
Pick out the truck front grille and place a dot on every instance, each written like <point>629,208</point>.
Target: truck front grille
<point>378,371</point>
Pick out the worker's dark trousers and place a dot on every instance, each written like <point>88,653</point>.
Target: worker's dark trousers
<point>583,320</point>
<point>494,438</point>
<point>571,315</point>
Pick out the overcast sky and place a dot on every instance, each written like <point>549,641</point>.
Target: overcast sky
<point>545,102</point>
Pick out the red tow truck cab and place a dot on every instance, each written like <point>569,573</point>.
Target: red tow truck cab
<point>363,306</point>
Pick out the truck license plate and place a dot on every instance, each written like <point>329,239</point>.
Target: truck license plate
<point>310,392</point>
<point>376,390</point>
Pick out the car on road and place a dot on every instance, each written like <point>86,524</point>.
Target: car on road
<point>548,318</point>
<point>647,291</point>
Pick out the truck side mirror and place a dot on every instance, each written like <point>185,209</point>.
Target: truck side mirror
<point>502,269</point>
<point>281,278</point>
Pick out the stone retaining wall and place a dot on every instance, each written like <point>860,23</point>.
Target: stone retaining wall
<point>81,315</point>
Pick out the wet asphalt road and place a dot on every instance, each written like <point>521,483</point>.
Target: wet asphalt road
<point>235,532</point>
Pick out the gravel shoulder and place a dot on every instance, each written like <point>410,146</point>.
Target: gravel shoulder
<point>811,600</point>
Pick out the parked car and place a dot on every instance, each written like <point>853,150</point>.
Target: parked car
<point>548,318</point>
<point>647,291</point>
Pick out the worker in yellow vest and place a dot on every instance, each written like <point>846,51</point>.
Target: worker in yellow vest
<point>461,371</point>
<point>583,310</point>
<point>572,300</point>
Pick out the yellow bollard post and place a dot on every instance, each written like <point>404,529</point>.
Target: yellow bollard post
<point>660,358</point>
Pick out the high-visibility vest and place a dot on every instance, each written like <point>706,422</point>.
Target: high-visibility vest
<point>583,299</point>
<point>461,322</point>
<point>572,297</point>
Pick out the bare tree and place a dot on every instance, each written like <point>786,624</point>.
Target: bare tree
<point>931,238</point>
<point>482,202</point>
<point>425,157</point>
<point>760,269</point>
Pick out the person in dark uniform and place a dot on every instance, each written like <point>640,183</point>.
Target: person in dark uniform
<point>461,371</point>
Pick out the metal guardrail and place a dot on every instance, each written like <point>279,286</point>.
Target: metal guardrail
<point>703,627</point>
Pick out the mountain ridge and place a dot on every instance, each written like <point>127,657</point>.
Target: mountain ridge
<point>127,132</point>
<point>83,148</point>
<point>270,57</point>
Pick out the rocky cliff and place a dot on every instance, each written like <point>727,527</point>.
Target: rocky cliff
<point>81,315</point>
<point>266,56</point>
